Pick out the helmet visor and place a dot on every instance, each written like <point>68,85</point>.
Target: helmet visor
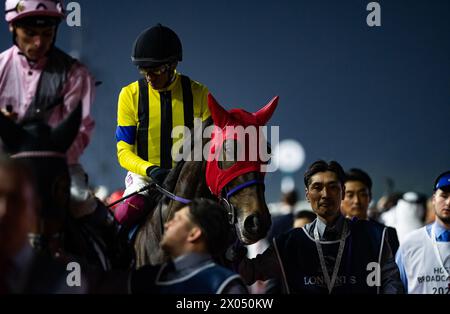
<point>38,21</point>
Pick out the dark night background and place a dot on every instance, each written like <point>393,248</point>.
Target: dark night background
<point>370,97</point>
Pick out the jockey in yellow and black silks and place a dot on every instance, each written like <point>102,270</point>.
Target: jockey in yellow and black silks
<point>149,109</point>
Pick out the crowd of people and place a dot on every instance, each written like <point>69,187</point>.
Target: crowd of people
<point>338,246</point>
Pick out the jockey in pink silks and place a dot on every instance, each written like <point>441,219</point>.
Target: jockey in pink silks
<point>39,81</point>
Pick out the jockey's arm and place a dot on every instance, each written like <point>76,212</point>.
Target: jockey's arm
<point>129,160</point>
<point>126,135</point>
<point>80,86</point>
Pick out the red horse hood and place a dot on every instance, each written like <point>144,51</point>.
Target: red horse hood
<point>224,120</point>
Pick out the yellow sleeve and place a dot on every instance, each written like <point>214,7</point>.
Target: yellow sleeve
<point>205,108</point>
<point>127,124</point>
<point>127,106</point>
<point>130,161</point>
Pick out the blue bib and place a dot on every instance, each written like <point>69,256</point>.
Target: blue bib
<point>302,270</point>
<point>208,279</point>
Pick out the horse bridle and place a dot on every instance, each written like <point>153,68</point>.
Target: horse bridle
<point>225,198</point>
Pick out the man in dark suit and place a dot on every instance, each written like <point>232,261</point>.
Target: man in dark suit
<point>332,254</point>
<point>358,195</point>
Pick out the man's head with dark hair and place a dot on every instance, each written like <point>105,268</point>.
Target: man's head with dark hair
<point>303,217</point>
<point>201,227</point>
<point>33,25</point>
<point>212,218</point>
<point>387,202</point>
<point>324,188</point>
<point>441,198</point>
<point>322,166</point>
<point>358,193</point>
<point>355,174</point>
<point>290,198</point>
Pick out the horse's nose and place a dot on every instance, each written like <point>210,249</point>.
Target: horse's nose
<point>252,224</point>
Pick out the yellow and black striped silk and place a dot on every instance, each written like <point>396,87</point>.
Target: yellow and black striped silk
<point>146,117</point>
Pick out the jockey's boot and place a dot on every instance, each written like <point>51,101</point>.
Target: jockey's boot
<point>131,210</point>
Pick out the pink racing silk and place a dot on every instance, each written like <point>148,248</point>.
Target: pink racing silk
<point>130,210</point>
<point>18,83</point>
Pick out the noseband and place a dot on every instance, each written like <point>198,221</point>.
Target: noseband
<point>225,199</point>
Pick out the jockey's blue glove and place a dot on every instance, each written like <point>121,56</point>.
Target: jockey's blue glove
<point>157,174</point>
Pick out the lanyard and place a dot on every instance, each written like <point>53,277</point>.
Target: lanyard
<point>436,251</point>
<point>330,283</point>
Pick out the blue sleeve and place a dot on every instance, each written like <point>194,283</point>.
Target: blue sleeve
<point>401,268</point>
<point>126,134</point>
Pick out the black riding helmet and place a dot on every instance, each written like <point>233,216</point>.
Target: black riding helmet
<point>156,46</point>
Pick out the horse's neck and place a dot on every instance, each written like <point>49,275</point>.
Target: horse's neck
<point>191,184</point>
<point>191,181</point>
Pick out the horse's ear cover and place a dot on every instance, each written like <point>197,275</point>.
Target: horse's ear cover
<point>264,114</point>
<point>218,113</point>
<point>217,178</point>
<point>65,133</point>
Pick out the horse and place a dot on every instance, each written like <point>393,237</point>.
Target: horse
<point>237,183</point>
<point>41,150</point>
